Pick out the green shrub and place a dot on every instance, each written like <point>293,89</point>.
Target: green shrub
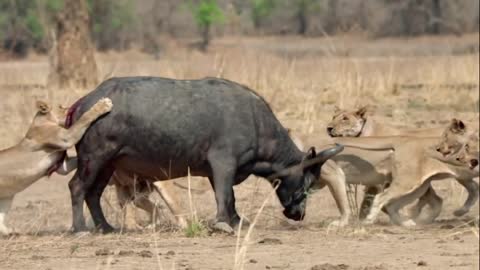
<point>206,13</point>
<point>261,9</point>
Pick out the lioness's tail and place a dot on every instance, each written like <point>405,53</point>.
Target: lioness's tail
<point>367,143</point>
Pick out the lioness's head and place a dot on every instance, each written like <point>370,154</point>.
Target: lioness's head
<point>47,114</point>
<point>347,123</point>
<point>469,153</point>
<point>453,138</point>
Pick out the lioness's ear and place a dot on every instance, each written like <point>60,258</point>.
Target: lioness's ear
<point>362,111</point>
<point>43,107</point>
<point>336,109</point>
<point>457,126</point>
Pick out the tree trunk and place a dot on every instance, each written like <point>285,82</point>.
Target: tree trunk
<point>75,65</point>
<point>302,18</point>
<point>437,15</point>
<point>332,21</point>
<point>205,37</point>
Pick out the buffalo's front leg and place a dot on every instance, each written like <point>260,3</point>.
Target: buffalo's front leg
<point>223,170</point>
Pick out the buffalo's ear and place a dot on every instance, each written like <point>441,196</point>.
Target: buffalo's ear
<point>43,107</point>
<point>311,153</point>
<point>362,111</point>
<point>457,126</point>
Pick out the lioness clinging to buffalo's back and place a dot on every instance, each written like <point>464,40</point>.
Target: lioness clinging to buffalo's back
<point>42,151</point>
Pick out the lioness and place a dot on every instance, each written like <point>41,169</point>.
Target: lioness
<point>41,151</point>
<point>463,146</point>
<point>415,164</point>
<point>137,190</point>
<point>357,124</point>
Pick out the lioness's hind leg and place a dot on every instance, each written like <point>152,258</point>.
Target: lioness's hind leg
<point>165,190</point>
<point>5,204</point>
<point>435,203</point>
<point>429,198</point>
<point>386,199</point>
<point>124,197</point>
<point>472,189</point>
<point>368,197</point>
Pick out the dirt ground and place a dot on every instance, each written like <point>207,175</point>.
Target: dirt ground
<point>43,213</point>
<point>302,80</point>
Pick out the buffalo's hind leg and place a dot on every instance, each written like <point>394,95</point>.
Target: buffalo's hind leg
<point>77,193</point>
<point>92,198</point>
<point>93,174</point>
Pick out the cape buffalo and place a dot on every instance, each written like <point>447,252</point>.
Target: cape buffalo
<point>162,128</point>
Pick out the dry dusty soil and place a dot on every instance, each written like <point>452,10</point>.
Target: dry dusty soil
<point>41,214</point>
<point>411,82</point>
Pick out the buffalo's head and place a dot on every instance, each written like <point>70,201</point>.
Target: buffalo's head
<point>296,181</point>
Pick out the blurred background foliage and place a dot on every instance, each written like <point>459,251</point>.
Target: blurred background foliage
<point>117,24</point>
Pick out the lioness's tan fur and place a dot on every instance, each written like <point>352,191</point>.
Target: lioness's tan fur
<point>42,148</point>
<point>358,123</point>
<point>415,164</point>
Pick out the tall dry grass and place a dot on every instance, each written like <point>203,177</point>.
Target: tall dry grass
<point>298,88</point>
<point>416,82</point>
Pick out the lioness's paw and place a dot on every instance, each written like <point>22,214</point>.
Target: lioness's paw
<point>460,212</point>
<point>338,223</point>
<point>367,221</point>
<point>409,223</point>
<point>104,105</point>
<point>5,231</point>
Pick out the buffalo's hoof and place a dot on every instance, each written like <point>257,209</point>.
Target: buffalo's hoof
<point>105,229</point>
<point>245,223</point>
<point>223,227</point>
<point>460,212</point>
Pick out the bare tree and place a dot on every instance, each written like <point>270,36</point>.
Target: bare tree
<point>332,20</point>
<point>74,64</point>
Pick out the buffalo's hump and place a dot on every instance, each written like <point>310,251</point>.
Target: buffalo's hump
<point>182,119</point>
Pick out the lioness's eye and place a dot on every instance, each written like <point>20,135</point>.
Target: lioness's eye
<point>345,118</point>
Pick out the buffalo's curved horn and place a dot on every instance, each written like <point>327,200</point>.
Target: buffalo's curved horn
<point>323,156</point>
<point>320,158</point>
